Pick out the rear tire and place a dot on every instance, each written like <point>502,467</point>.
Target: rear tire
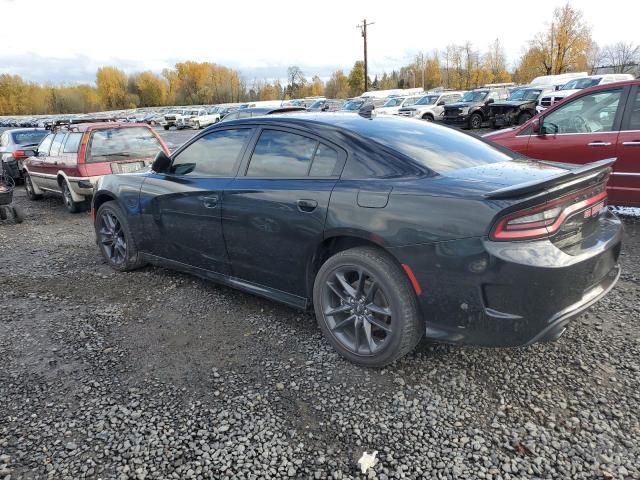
<point>115,240</point>
<point>166,127</point>
<point>475,121</point>
<point>28,186</point>
<point>366,307</point>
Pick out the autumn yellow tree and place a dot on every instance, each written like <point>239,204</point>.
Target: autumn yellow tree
<point>563,47</point>
<point>356,79</point>
<point>112,87</point>
<point>150,88</point>
<point>337,86</point>
<point>495,63</point>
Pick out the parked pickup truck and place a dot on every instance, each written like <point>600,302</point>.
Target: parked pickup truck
<point>473,108</point>
<point>594,124</point>
<point>210,116</point>
<point>174,117</point>
<point>518,108</point>
<point>430,107</point>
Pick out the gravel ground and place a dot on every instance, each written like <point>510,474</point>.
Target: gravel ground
<point>155,374</point>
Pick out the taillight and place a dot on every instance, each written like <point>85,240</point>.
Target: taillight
<point>19,154</point>
<point>546,219</point>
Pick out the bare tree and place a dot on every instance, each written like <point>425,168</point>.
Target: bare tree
<point>622,57</point>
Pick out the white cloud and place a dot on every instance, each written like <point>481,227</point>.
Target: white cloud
<point>65,39</point>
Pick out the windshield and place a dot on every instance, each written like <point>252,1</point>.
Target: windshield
<point>112,144</point>
<point>32,137</point>
<point>477,96</point>
<point>213,110</point>
<point>580,83</point>
<point>525,94</point>
<point>394,102</point>
<point>317,104</point>
<point>428,100</point>
<point>353,105</point>
<point>175,112</point>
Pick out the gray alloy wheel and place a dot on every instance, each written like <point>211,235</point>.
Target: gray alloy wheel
<point>366,307</point>
<point>114,238</point>
<point>475,121</point>
<point>28,186</point>
<point>427,117</point>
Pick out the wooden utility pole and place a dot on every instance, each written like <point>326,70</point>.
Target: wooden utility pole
<point>363,30</point>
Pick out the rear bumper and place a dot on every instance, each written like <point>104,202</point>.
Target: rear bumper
<point>508,294</point>
<point>11,167</point>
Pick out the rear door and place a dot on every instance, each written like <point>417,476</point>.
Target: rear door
<point>182,209</point>
<point>274,211</point>
<point>626,171</point>
<point>54,162</point>
<point>36,165</point>
<point>583,130</point>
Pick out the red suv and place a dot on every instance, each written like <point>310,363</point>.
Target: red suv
<point>72,157</point>
<point>596,123</point>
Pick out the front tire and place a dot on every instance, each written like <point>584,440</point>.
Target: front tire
<point>28,186</point>
<point>427,118</point>
<point>198,127</point>
<point>366,307</point>
<point>166,127</point>
<point>115,240</point>
<point>475,121</point>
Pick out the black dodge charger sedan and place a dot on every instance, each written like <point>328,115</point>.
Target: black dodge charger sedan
<point>391,229</point>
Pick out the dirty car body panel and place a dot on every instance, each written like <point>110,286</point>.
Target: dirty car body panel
<point>456,212</point>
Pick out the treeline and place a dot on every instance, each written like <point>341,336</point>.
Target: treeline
<point>565,45</point>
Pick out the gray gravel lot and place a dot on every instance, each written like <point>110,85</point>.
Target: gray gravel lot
<point>155,374</point>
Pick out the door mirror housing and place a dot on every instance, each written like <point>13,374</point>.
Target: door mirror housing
<point>441,103</point>
<point>161,163</point>
<point>535,126</point>
<point>489,102</point>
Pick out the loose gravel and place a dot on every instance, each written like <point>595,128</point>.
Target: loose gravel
<point>157,375</point>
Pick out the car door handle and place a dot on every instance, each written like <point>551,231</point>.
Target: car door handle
<point>210,202</point>
<point>305,205</point>
<point>632,143</point>
<point>599,144</point>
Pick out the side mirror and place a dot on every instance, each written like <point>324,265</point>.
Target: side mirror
<point>441,103</point>
<point>489,102</point>
<point>535,126</point>
<point>161,163</point>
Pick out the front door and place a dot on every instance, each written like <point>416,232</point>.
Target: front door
<point>274,214</point>
<point>626,170</point>
<point>182,208</point>
<point>583,130</point>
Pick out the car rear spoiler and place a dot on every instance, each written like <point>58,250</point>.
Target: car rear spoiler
<point>579,174</point>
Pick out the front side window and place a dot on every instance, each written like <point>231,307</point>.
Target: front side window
<point>113,144</point>
<point>281,154</point>
<point>45,145</point>
<point>394,102</point>
<point>56,144</point>
<point>427,100</point>
<point>474,96</point>
<point>594,112</point>
<point>214,155</point>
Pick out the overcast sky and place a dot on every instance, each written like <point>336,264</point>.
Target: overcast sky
<point>65,41</point>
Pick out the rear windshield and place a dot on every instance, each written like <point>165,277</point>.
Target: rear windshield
<point>32,137</point>
<point>113,144</point>
<point>441,149</point>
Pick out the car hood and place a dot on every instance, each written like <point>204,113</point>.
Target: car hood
<point>563,93</point>
<point>512,103</point>
<point>461,105</point>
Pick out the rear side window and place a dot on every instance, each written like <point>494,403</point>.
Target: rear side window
<point>214,154</point>
<point>117,144</point>
<point>281,154</point>
<point>324,161</point>
<point>634,121</point>
<point>72,143</point>
<point>43,148</point>
<point>56,144</point>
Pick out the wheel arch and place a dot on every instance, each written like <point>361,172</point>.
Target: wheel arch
<point>101,197</point>
<point>335,244</point>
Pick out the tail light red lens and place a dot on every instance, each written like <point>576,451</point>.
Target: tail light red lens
<point>546,219</point>
<point>19,154</point>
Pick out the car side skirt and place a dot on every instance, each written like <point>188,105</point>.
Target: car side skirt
<point>230,281</point>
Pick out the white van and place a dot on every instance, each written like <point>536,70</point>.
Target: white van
<point>577,84</point>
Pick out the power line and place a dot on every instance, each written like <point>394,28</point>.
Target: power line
<point>363,31</point>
